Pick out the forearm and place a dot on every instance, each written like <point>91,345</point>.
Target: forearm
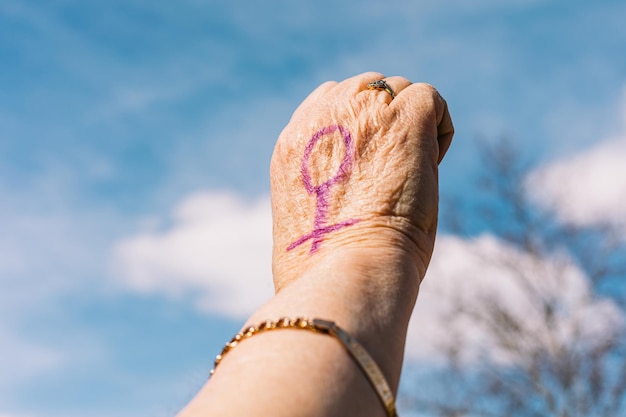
<point>354,208</point>
<point>369,292</point>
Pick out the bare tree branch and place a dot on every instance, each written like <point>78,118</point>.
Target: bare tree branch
<point>554,367</point>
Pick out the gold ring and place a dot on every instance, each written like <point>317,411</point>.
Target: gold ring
<point>381,85</point>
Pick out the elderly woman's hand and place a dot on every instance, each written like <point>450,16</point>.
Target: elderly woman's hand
<point>354,199</point>
<point>354,169</point>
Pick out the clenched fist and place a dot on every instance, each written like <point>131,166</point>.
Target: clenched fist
<point>357,168</point>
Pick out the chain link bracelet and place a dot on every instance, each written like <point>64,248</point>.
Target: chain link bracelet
<point>354,348</point>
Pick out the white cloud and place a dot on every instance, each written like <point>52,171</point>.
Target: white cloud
<point>588,188</point>
<point>218,248</point>
<point>466,278</point>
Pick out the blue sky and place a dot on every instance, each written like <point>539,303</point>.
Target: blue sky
<point>115,116</point>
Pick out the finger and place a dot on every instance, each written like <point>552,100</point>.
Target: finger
<point>422,103</point>
<point>319,92</point>
<point>354,85</point>
<point>445,131</point>
<point>396,84</point>
<point>315,96</point>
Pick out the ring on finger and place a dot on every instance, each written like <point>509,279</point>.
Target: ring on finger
<point>381,85</point>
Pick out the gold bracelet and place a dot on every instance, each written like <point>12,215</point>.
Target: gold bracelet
<point>354,348</point>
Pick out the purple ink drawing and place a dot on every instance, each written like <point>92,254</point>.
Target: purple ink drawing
<point>322,191</point>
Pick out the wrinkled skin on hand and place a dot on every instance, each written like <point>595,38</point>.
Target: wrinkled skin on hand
<point>391,187</point>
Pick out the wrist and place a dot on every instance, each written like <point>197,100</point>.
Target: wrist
<point>373,251</point>
<point>367,284</point>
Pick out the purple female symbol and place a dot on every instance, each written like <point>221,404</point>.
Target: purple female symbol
<point>322,191</point>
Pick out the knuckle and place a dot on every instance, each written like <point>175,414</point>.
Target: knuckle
<point>426,90</point>
<point>400,80</point>
<point>371,74</point>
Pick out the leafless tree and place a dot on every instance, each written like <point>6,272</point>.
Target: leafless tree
<point>544,369</point>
